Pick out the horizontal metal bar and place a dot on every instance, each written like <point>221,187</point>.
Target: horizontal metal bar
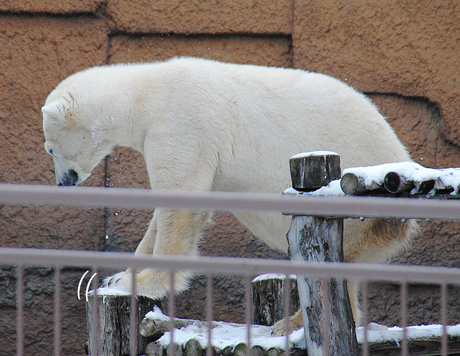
<point>240,266</point>
<point>341,206</point>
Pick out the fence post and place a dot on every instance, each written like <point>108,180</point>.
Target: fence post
<point>326,310</point>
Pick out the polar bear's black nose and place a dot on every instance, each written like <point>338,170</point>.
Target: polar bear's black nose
<point>70,178</point>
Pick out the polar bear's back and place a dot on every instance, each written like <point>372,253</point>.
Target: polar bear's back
<point>271,113</point>
<point>251,115</point>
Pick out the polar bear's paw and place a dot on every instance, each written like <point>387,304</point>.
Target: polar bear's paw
<point>121,281</point>
<point>149,282</point>
<point>295,323</point>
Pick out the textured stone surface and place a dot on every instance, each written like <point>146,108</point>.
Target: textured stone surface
<point>180,16</point>
<point>262,50</point>
<point>416,121</point>
<point>408,48</point>
<point>35,54</point>
<point>50,6</point>
<point>39,311</point>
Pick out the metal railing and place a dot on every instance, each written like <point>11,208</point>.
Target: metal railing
<point>320,206</point>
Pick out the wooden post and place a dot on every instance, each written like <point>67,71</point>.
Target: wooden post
<point>326,310</point>
<point>268,298</point>
<point>114,322</point>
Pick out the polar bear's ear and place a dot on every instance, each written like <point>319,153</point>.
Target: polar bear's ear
<point>53,110</point>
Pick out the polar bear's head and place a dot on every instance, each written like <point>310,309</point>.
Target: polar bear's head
<point>75,147</point>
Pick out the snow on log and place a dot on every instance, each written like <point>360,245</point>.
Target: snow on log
<point>227,338</point>
<point>407,178</point>
<point>156,324</point>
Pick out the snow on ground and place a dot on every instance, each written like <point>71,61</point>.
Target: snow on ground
<point>381,333</point>
<point>225,334</point>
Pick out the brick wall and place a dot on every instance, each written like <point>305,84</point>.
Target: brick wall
<point>404,55</point>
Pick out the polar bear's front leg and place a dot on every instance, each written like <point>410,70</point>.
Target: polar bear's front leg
<point>177,233</point>
<point>147,244</point>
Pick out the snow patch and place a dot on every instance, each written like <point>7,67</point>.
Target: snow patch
<point>265,276</point>
<point>109,291</point>
<point>396,334</point>
<point>314,153</point>
<point>225,334</point>
<point>332,189</point>
<point>157,314</point>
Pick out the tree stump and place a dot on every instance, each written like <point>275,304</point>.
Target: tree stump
<point>268,298</point>
<point>326,310</point>
<point>114,323</point>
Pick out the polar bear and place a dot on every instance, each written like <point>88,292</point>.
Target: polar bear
<point>229,128</point>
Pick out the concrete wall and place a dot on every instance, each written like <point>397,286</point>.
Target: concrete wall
<point>403,54</point>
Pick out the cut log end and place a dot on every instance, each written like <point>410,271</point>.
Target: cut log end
<point>396,183</point>
<point>352,184</point>
<point>310,172</point>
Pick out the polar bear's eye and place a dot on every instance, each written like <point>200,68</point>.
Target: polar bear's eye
<point>50,152</point>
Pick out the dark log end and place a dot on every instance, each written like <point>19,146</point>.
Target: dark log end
<point>311,171</point>
<point>392,182</point>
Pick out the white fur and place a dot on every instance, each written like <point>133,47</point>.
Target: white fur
<point>204,125</point>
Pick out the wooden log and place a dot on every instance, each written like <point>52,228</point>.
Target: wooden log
<point>152,327</point>
<point>193,348</point>
<point>424,187</point>
<point>155,328</point>
<point>240,349</point>
<point>396,183</point>
<point>441,185</point>
<point>274,352</point>
<point>268,298</point>
<point>327,316</point>
<point>177,350</point>
<point>311,171</point>
<point>352,184</point>
<point>113,329</point>
<point>227,351</point>
<point>154,349</point>
<point>258,351</point>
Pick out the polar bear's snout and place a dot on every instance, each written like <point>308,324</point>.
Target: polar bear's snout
<point>70,178</point>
